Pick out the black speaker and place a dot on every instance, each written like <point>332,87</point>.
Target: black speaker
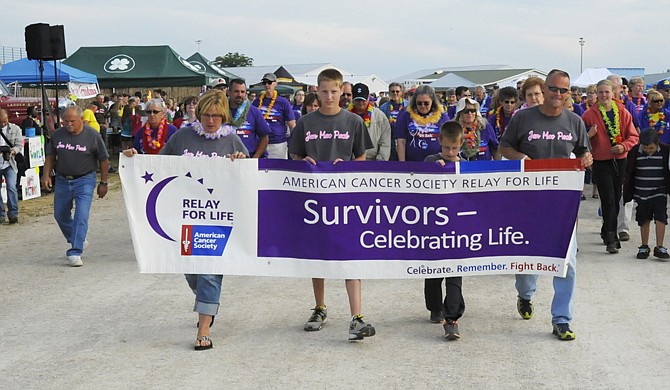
<point>38,41</point>
<point>57,43</point>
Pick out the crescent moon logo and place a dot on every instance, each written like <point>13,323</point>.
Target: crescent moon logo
<point>152,199</point>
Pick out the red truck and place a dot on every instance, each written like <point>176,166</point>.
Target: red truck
<point>17,106</point>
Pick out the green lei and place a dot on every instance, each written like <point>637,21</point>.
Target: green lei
<point>613,129</point>
<point>240,115</point>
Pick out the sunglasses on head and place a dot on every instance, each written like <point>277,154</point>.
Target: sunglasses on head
<point>426,104</point>
<point>554,88</point>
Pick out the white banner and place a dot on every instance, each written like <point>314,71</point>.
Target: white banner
<point>371,220</point>
<point>36,151</point>
<point>83,90</point>
<point>30,184</point>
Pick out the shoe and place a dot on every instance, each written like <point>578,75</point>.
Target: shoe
<point>661,252</point>
<point>612,242</point>
<point>13,220</point>
<point>317,319</point>
<point>358,329</point>
<point>451,330</point>
<point>436,317</point>
<point>74,261</point>
<point>563,332</point>
<point>111,169</point>
<point>525,308</point>
<point>643,251</point>
<point>583,196</point>
<point>209,344</point>
<point>624,236</point>
<point>595,196</point>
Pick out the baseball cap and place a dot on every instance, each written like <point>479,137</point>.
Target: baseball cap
<point>269,77</point>
<point>218,82</point>
<point>361,91</point>
<point>663,84</point>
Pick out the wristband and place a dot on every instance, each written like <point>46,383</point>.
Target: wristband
<point>103,183</point>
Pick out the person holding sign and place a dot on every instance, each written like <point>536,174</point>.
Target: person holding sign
<point>562,133</point>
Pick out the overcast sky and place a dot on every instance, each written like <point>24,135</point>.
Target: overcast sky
<point>388,38</point>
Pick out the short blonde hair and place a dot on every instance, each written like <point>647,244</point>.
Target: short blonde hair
<point>330,75</point>
<point>216,100</point>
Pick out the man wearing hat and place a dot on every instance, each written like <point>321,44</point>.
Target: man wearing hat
<point>219,84</point>
<point>278,113</point>
<point>663,87</point>
<point>376,122</point>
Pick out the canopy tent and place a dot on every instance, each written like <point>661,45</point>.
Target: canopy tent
<point>591,76</point>
<point>137,66</point>
<point>24,71</point>
<point>451,80</point>
<point>213,72</point>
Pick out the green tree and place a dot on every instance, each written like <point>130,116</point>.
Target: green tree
<point>233,60</point>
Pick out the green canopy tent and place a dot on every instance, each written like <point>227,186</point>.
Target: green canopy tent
<point>212,71</point>
<point>137,66</point>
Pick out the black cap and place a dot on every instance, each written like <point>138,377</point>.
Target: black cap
<point>361,91</point>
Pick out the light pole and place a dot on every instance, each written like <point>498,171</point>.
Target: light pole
<point>198,42</point>
<point>581,54</point>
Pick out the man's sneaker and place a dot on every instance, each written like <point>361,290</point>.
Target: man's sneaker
<point>525,308</point>
<point>436,317</point>
<point>624,236</point>
<point>358,329</point>
<point>451,330</point>
<point>74,261</point>
<point>13,220</point>
<point>661,252</point>
<point>317,319</point>
<point>563,332</point>
<point>643,252</point>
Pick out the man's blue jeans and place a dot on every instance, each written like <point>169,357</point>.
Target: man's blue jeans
<point>564,288</point>
<point>12,194</point>
<point>77,192</point>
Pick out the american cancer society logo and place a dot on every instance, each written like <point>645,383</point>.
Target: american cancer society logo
<point>196,239</point>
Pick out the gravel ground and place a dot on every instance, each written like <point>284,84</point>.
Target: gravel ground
<point>106,326</point>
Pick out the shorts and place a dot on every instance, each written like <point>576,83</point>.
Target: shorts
<point>652,209</point>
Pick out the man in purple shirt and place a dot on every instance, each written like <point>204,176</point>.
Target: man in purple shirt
<point>278,113</point>
<point>248,120</point>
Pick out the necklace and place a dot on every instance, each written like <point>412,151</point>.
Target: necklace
<point>392,109</point>
<point>426,120</point>
<point>653,123</point>
<point>367,115</point>
<point>499,123</point>
<point>240,115</point>
<point>272,103</point>
<point>613,129</point>
<point>223,131</point>
<point>154,145</point>
<point>472,138</point>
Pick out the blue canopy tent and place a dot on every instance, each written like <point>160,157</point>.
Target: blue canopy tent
<point>26,72</point>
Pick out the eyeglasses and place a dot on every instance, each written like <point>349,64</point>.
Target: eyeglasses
<point>267,82</point>
<point>554,88</point>
<point>467,95</point>
<point>509,101</point>
<point>347,94</point>
<point>657,101</point>
<point>425,104</point>
<point>398,91</point>
<point>154,112</point>
<point>211,116</point>
<point>469,111</point>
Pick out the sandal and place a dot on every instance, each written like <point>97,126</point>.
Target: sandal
<point>200,340</point>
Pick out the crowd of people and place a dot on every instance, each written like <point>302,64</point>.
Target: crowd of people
<point>620,138</point>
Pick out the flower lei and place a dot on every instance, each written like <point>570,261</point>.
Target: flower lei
<point>661,120</point>
<point>223,131</point>
<point>272,103</point>
<point>241,114</point>
<point>472,140</point>
<point>151,145</point>
<point>392,118</point>
<point>367,116</point>
<point>638,102</point>
<point>499,124</point>
<point>613,129</point>
<point>426,120</point>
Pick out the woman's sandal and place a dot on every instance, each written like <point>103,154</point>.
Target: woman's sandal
<point>200,340</point>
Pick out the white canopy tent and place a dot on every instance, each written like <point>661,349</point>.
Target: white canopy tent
<point>591,76</point>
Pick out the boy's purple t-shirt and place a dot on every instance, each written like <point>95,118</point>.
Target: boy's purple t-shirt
<point>422,141</point>
<point>282,112</point>
<point>253,129</point>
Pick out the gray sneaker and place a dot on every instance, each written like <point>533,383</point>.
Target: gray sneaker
<point>74,261</point>
<point>317,319</point>
<point>358,329</point>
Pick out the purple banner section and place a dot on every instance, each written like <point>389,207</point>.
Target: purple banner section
<point>392,226</point>
<point>360,166</point>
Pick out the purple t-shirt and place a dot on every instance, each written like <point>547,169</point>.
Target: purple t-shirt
<point>253,129</point>
<point>281,112</point>
<point>488,142</point>
<point>422,141</point>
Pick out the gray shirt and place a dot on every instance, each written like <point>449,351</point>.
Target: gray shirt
<point>539,136</point>
<point>77,155</point>
<point>186,142</point>
<point>329,137</point>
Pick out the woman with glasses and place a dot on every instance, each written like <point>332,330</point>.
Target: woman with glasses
<point>417,129</point>
<point>654,115</point>
<point>190,105</point>
<point>612,135</point>
<point>153,136</point>
<point>503,106</point>
<point>298,100</point>
<point>479,138</point>
<point>531,90</point>
<point>591,97</point>
<point>209,136</point>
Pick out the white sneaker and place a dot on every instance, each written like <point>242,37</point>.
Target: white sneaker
<point>74,261</point>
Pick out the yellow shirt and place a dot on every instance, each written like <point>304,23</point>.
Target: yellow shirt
<point>89,118</point>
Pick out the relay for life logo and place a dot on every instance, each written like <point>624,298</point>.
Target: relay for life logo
<point>198,236</point>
